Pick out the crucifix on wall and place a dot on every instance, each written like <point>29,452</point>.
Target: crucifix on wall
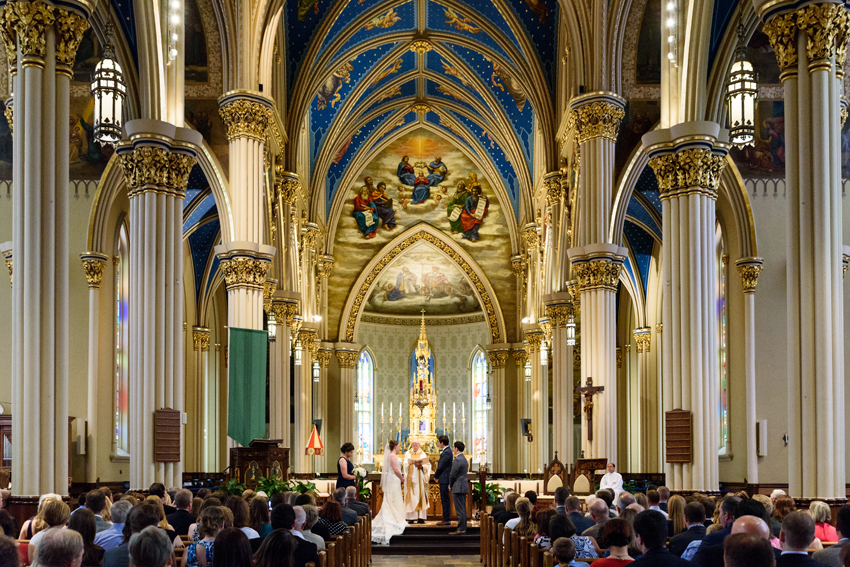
<point>588,392</point>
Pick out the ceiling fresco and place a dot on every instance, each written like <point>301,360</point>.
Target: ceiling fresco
<point>451,194</point>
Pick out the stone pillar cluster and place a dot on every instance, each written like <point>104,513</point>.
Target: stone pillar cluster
<point>749,270</point>
<point>498,356</point>
<point>346,354</point>
<point>559,308</point>
<point>647,418</point>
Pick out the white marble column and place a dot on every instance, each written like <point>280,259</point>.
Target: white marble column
<point>200,349</point>
<point>523,405</point>
<point>498,355</point>
<point>647,418</point>
<point>41,42</point>
<point>93,265</point>
<point>346,354</point>
<point>810,44</point>
<point>749,270</point>
<point>320,395</point>
<point>285,309</point>
<point>303,398</point>
<point>534,338</point>
<point>156,161</point>
<point>687,160</point>
<point>559,309</point>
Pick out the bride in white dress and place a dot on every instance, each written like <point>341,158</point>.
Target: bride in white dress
<point>390,520</point>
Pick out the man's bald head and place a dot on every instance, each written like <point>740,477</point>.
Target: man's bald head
<point>751,525</point>
<point>636,507</point>
<point>599,509</point>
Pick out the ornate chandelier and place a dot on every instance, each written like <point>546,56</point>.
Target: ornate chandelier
<point>108,90</point>
<point>741,96</point>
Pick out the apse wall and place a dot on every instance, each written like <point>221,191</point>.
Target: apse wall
<point>452,345</point>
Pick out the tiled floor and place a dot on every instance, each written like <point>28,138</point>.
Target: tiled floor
<point>426,561</point>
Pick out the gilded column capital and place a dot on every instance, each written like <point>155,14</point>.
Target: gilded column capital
<point>285,312</point>
<point>530,236</point>
<point>245,271</point>
<point>309,338</point>
<point>155,169</point>
<point>7,255</point>
<point>93,264</point>
<point>596,115</point>
<point>826,27</point>
<point>70,27</point>
<point>326,266</point>
<point>552,186</point>
<point>620,357</point>
<point>643,339</point>
<point>324,357</point>
<point>533,340</point>
<point>694,171</point>
<point>518,265</point>
<point>245,114</point>
<point>310,235</point>
<point>499,358</point>
<point>287,184</point>
<point>781,31</point>
<point>749,269</point>
<point>269,287</point>
<point>520,357</point>
<point>346,358</point>
<point>845,263</point>
<point>201,338</point>
<point>598,273</point>
<point>574,289</point>
<point>24,28</point>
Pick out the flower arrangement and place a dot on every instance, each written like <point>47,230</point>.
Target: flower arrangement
<point>360,482</point>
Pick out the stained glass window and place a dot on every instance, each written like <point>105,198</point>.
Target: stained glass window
<point>722,352</point>
<point>480,408</point>
<point>122,379</point>
<point>363,406</point>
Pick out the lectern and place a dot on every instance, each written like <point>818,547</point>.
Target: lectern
<point>262,458</point>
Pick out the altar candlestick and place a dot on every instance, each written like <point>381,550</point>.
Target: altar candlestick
<point>382,410</point>
<point>463,410</point>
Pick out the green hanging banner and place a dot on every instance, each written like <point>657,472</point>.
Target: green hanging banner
<point>246,412</point>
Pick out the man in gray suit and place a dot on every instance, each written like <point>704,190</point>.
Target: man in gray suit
<point>96,502</point>
<point>831,555</point>
<point>460,486</point>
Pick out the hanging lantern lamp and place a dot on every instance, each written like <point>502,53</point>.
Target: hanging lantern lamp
<point>741,96</point>
<point>108,90</point>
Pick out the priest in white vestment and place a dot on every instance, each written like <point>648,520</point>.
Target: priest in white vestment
<point>612,479</point>
<point>417,473</point>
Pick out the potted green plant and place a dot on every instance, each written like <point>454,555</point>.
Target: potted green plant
<point>302,487</point>
<point>492,492</point>
<point>272,486</point>
<point>233,487</point>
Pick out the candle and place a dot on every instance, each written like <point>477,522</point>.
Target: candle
<point>391,413</point>
<point>382,411</point>
<point>463,410</point>
<point>399,410</point>
<point>454,411</point>
<point>444,410</point>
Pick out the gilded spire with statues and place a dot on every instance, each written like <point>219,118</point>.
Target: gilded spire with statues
<point>423,395</point>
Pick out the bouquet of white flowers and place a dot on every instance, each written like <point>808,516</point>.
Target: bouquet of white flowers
<point>361,481</point>
<point>360,472</point>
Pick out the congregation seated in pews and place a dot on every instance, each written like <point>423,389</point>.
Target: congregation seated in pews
<point>205,529</point>
<point>660,530</point>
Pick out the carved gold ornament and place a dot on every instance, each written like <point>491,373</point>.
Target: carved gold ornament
<point>530,236</point>
<point>94,270</point>
<point>7,254</point>
<point>518,265</point>
<point>201,339</point>
<point>750,276</point>
<point>822,24</point>
<point>598,119</point>
<point>244,271</point>
<point>845,263</point>
<point>520,357</point>
<point>486,301</point>
<point>26,24</point>
<point>324,358</point>
<point>619,357</point>
<point>600,273</point>
<point>9,114</point>
<point>643,339</point>
<point>326,266</point>
<point>554,190</point>
<point>559,314</point>
<point>286,184</point>
<point>245,118</point>
<point>420,46</point>
<point>70,28</point>
<point>269,286</point>
<point>533,339</point>
<point>346,358</point>
<point>574,289</point>
<point>308,338</point>
<point>499,358</point>
<point>782,33</point>
<point>150,169</point>
<point>688,172</point>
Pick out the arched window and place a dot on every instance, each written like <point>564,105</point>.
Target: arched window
<point>363,409</point>
<point>722,344</point>
<point>481,406</point>
<point>121,443</point>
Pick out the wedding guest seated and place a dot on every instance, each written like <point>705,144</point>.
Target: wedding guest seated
<point>211,522</point>
<point>747,550</point>
<point>351,502</point>
<point>616,536</point>
<point>259,521</point>
<point>651,529</point>
<point>798,532</point>
<point>83,522</point>
<point>500,507</point>
<point>532,497</point>
<point>542,538</point>
<point>183,517</point>
<point>522,525</point>
<point>312,516</point>
<point>572,506</point>
<point>599,515</point>
<point>137,519</point>
<point>151,548</point>
<point>821,514</point>
<point>694,518</point>
<point>8,525</point>
<point>239,508</point>
<point>54,516</point>
<point>158,489</point>
<point>586,547</point>
<point>9,551</point>
<point>285,518</point>
<point>509,513</point>
<point>96,502</point>
<point>194,534</point>
<point>278,550</point>
<point>331,518</point>
<point>232,549</point>
<point>565,551</point>
<point>349,516</point>
<point>832,555</point>
<point>61,548</point>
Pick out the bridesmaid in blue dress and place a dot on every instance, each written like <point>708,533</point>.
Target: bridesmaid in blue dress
<point>344,467</point>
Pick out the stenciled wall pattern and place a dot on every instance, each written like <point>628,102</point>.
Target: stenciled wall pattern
<point>391,346</point>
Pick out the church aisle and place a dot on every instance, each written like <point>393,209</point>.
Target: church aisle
<point>422,561</point>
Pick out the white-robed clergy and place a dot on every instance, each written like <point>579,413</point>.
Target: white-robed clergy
<point>612,479</point>
<point>417,472</point>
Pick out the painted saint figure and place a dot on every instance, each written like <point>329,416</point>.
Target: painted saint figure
<point>474,211</point>
<point>365,213</point>
<point>405,284</point>
<point>405,171</point>
<point>456,205</point>
<point>438,171</point>
<point>421,189</point>
<point>383,205</point>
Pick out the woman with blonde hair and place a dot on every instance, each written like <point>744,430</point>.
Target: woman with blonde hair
<point>156,501</point>
<point>211,521</point>
<point>523,524</point>
<point>676,515</point>
<point>36,523</point>
<point>54,514</point>
<point>821,514</point>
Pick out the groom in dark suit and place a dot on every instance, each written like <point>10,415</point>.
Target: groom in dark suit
<point>460,486</point>
<point>444,470</point>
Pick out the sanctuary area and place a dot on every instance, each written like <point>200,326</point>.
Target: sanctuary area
<point>290,261</point>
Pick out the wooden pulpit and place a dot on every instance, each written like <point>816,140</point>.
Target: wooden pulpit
<point>262,458</point>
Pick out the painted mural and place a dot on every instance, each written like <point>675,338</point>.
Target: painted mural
<point>195,54</point>
<point>203,116</point>
<point>766,157</point>
<point>420,177</point>
<point>648,57</point>
<point>640,117</point>
<point>422,278</point>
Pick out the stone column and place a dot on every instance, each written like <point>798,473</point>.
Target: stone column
<point>245,259</point>
<point>200,348</point>
<point>285,310</point>
<point>287,187</point>
<point>303,399</point>
<point>647,419</point>
<point>539,419</point>
<point>552,238</point>
<point>559,309</point>
<point>596,261</point>
<point>346,354</point>
<point>498,357</point>
<point>749,270</point>
<point>156,161</point>
<point>810,43</point>
<point>41,43</point>
<point>326,351</point>
<point>93,264</point>
<point>687,160</point>
<point>522,403</point>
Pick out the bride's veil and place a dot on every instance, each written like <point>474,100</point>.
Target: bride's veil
<point>387,470</point>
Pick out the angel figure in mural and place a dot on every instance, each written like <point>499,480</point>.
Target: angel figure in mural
<point>405,171</point>
<point>438,170</point>
<point>329,91</point>
<point>383,204</point>
<point>421,189</point>
<point>474,211</point>
<point>365,213</point>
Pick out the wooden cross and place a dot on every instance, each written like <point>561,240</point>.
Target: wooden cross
<point>588,392</point>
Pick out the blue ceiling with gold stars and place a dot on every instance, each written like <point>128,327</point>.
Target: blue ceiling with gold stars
<point>480,72</point>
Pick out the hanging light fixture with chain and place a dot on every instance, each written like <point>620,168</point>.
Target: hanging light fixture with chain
<point>741,96</point>
<point>108,90</point>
